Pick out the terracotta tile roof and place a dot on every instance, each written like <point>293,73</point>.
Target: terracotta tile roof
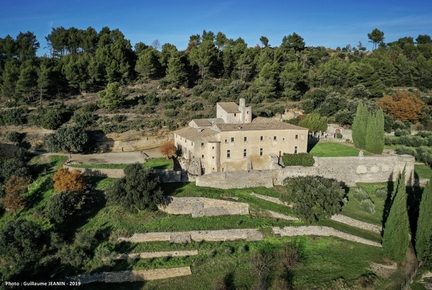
<point>229,107</point>
<point>264,124</point>
<point>194,134</point>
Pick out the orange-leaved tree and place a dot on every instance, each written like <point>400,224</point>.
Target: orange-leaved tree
<point>402,106</point>
<point>15,189</point>
<point>65,180</point>
<point>168,149</point>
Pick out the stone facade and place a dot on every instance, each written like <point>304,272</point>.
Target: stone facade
<point>345,169</point>
<point>233,141</point>
<point>200,206</point>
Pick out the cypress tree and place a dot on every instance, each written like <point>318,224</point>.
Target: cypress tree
<point>359,127</point>
<point>375,132</point>
<point>395,240</point>
<point>424,225</point>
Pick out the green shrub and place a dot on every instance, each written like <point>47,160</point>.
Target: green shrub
<point>300,159</point>
<point>14,116</point>
<point>314,198</point>
<point>14,137</point>
<point>170,113</point>
<point>381,193</point>
<point>368,206</point>
<point>360,194</point>
<point>119,118</point>
<point>88,108</point>
<point>401,132</point>
<point>405,150</point>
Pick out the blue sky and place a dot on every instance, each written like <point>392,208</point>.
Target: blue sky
<point>321,23</point>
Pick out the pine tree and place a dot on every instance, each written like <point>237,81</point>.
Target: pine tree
<point>359,127</point>
<point>395,240</point>
<point>424,225</point>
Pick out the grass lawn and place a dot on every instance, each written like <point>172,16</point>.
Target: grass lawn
<point>422,171</point>
<point>354,210</point>
<point>330,149</point>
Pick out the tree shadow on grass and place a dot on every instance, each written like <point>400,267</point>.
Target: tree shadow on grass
<point>38,194</point>
<point>91,205</point>
<point>414,195</point>
<point>174,188</point>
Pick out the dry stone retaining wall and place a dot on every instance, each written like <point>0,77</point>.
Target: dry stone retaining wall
<point>165,176</point>
<point>320,231</point>
<point>199,207</point>
<point>346,169</point>
<point>187,237</point>
<point>356,223</point>
<point>150,255</point>
<point>133,276</point>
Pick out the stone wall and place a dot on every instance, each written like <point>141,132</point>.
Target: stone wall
<point>199,207</point>
<point>346,169</point>
<point>165,176</point>
<point>133,276</point>
<point>99,172</point>
<point>320,231</point>
<point>150,255</point>
<point>197,236</point>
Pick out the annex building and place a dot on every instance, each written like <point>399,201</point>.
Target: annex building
<point>233,141</point>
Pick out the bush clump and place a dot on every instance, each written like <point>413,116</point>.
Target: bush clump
<point>368,206</point>
<point>300,159</point>
<point>314,198</point>
<point>360,194</point>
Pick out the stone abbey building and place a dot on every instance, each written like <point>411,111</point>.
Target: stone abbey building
<point>233,141</point>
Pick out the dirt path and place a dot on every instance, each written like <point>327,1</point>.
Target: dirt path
<point>112,157</point>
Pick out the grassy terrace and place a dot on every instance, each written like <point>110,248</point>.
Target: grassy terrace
<point>155,163</point>
<point>324,260</point>
<point>330,149</point>
<point>422,171</point>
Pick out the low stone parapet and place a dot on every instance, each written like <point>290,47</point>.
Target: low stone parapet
<point>321,231</point>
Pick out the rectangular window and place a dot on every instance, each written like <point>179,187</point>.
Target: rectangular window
<point>245,139</point>
<point>228,153</point>
<point>202,144</point>
<point>261,138</point>
<point>261,152</point>
<point>202,156</point>
<point>212,157</point>
<point>244,152</point>
<point>226,140</point>
<point>235,114</point>
<point>212,147</point>
<point>274,138</point>
<point>232,139</point>
<point>296,136</point>
<point>295,150</point>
